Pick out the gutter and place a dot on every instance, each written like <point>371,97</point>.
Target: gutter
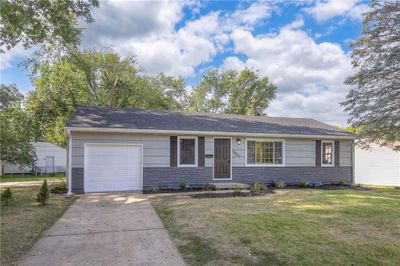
<point>202,133</point>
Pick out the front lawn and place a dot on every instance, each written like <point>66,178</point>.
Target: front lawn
<point>287,227</point>
<point>23,221</point>
<point>29,177</point>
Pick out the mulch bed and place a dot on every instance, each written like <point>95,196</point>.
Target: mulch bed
<point>246,193</point>
<point>229,194</point>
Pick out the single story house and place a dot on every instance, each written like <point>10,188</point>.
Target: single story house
<point>50,159</point>
<point>131,149</point>
<point>378,165</point>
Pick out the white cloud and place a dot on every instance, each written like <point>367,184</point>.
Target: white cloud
<point>116,20</point>
<point>9,55</point>
<point>309,75</point>
<point>323,106</point>
<point>252,15</point>
<point>325,10</point>
<point>160,47</point>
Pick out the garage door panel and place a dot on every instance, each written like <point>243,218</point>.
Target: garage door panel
<point>112,168</point>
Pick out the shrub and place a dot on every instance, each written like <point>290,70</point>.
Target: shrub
<point>209,187</point>
<point>340,182</point>
<point>43,194</point>
<point>257,187</point>
<point>279,184</point>
<point>60,188</point>
<point>237,188</point>
<point>303,184</point>
<point>6,196</point>
<point>182,185</point>
<point>154,189</point>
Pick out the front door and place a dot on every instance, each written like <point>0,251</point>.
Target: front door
<point>222,158</point>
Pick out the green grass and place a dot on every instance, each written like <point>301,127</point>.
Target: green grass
<point>288,227</point>
<point>24,221</point>
<point>29,177</point>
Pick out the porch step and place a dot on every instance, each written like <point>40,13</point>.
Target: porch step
<point>229,185</point>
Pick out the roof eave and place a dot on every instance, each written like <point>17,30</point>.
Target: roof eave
<point>204,133</point>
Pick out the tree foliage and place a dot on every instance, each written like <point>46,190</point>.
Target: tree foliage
<point>15,129</point>
<point>374,100</point>
<point>98,78</point>
<point>9,94</point>
<point>232,92</point>
<point>33,22</point>
<point>43,196</point>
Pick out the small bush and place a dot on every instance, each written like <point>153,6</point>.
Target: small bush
<point>182,185</point>
<point>303,184</point>
<point>154,189</point>
<point>237,188</point>
<point>6,196</point>
<point>340,182</point>
<point>279,184</point>
<point>209,187</point>
<point>60,188</point>
<point>43,194</point>
<point>257,187</point>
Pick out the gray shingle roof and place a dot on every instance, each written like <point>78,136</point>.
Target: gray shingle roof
<point>100,117</point>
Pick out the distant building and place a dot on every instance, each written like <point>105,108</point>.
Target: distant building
<point>377,166</point>
<point>50,159</point>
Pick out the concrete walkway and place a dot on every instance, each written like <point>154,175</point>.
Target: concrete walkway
<point>27,183</point>
<point>106,229</point>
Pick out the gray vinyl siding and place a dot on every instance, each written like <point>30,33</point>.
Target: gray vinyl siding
<point>346,148</point>
<point>299,152</point>
<point>209,162</point>
<point>155,147</point>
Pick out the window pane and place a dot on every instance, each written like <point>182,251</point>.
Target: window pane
<point>327,153</point>
<point>258,152</point>
<point>278,153</point>
<point>187,151</point>
<point>268,156</point>
<point>264,152</point>
<point>251,152</point>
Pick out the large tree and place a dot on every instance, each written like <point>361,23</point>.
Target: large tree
<point>100,78</point>
<point>9,94</point>
<point>15,128</point>
<point>231,92</point>
<point>38,22</point>
<point>374,100</point>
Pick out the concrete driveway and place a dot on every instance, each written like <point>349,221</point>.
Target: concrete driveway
<point>106,229</point>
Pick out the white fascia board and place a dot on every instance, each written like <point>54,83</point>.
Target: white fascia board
<point>202,133</point>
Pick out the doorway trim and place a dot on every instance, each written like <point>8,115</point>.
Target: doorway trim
<point>231,162</point>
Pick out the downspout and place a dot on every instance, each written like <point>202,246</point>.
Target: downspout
<point>353,161</point>
<point>69,164</point>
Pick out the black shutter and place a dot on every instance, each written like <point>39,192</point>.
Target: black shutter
<point>337,153</point>
<point>173,151</point>
<point>201,151</point>
<point>318,153</point>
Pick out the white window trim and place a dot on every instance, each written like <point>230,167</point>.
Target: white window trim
<point>265,164</point>
<point>333,153</point>
<point>195,151</point>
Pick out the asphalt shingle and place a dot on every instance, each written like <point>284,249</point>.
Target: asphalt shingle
<point>101,117</point>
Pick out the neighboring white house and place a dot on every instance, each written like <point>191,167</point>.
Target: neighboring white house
<point>50,159</point>
<point>377,166</point>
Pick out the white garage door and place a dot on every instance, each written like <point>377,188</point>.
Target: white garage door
<point>377,166</point>
<point>112,167</point>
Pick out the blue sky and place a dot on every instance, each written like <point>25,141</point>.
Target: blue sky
<point>302,46</point>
